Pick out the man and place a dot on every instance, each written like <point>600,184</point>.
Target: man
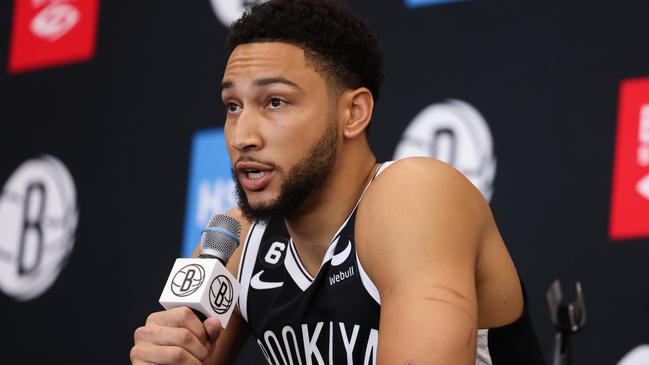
<point>344,260</point>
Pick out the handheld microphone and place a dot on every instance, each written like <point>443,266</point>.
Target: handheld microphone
<point>204,284</point>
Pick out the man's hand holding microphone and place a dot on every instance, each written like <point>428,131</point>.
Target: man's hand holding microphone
<point>199,298</point>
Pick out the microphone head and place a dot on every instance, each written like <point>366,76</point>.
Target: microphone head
<point>220,237</point>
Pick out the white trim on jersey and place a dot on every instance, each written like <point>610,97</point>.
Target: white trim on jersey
<point>482,356</point>
<point>382,168</point>
<point>365,279</point>
<point>296,256</point>
<point>295,269</point>
<point>330,251</point>
<point>332,247</point>
<point>292,262</point>
<point>247,264</point>
<point>367,282</point>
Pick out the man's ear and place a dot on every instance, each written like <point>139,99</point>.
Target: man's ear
<point>358,104</point>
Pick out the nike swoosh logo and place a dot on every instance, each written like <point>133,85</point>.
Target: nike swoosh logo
<point>258,284</point>
<point>339,258</point>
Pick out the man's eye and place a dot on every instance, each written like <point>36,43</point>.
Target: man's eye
<point>232,107</point>
<point>276,103</point>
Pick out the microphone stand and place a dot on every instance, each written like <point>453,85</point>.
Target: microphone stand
<point>567,318</point>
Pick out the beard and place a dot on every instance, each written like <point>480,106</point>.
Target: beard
<point>304,183</point>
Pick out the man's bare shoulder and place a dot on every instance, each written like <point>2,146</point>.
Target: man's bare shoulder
<point>417,237</point>
<point>432,180</point>
<point>423,199</point>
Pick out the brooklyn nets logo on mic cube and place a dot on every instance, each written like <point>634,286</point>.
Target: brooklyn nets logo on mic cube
<point>204,285</point>
<point>221,294</point>
<point>187,280</point>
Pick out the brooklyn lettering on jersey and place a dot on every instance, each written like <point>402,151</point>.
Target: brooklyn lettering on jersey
<point>311,344</point>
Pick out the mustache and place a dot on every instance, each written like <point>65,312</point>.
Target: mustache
<point>252,159</point>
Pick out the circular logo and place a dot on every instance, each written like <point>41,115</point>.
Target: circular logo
<point>456,133</point>
<point>221,294</point>
<point>38,220</point>
<point>54,21</point>
<point>229,11</point>
<point>187,280</point>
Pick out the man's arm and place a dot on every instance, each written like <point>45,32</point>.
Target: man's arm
<point>418,232</point>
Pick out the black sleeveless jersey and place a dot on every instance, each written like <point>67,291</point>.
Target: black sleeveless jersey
<point>334,318</point>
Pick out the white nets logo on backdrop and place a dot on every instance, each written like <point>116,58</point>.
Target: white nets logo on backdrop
<point>55,20</point>
<point>230,10</point>
<point>38,220</point>
<point>637,356</point>
<point>456,133</point>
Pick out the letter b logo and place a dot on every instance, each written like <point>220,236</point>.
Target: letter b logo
<point>187,280</point>
<point>221,294</point>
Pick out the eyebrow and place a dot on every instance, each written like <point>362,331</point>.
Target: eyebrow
<point>263,82</point>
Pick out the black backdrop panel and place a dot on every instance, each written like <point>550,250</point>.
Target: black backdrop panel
<point>544,76</point>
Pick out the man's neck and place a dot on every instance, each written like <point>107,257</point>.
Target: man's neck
<point>313,229</point>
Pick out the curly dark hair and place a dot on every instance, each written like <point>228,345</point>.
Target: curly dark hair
<point>339,43</point>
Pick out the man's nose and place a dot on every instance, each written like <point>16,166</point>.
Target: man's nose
<point>246,135</point>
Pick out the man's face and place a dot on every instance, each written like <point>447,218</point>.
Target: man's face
<point>281,129</point>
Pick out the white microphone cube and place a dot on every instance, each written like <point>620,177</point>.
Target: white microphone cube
<point>204,285</point>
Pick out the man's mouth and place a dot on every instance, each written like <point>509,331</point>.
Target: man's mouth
<point>254,176</point>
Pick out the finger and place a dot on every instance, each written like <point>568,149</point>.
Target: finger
<point>163,355</point>
<point>138,362</point>
<point>182,317</point>
<point>171,336</point>
<point>213,328</point>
